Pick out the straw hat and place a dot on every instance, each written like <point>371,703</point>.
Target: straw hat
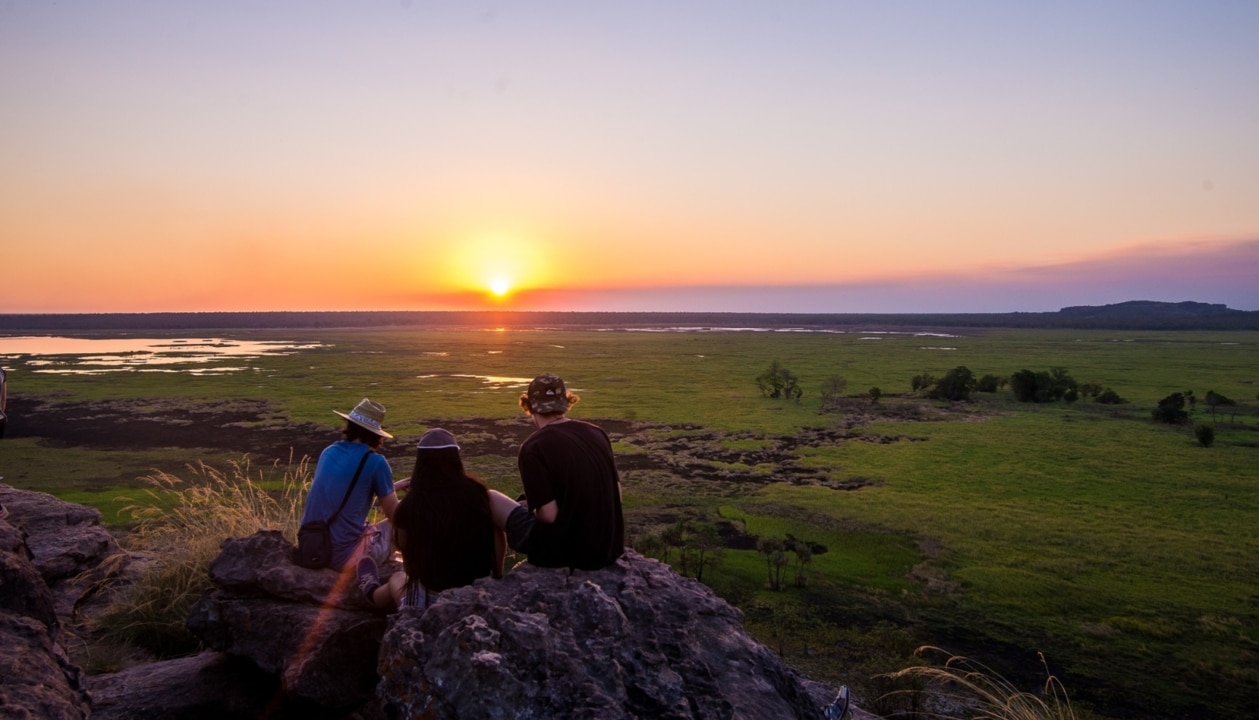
<point>367,414</point>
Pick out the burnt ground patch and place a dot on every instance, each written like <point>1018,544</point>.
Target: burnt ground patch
<point>260,428</point>
<point>255,427</point>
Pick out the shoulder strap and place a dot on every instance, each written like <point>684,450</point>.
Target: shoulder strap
<point>353,482</point>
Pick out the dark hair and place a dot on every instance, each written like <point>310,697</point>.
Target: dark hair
<point>446,523</point>
<point>354,431</point>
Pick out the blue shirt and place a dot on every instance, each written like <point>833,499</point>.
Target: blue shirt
<point>333,474</point>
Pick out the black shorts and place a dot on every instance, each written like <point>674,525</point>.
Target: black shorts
<point>520,524</point>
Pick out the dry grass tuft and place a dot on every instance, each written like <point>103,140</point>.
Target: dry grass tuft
<point>181,528</point>
<point>963,688</point>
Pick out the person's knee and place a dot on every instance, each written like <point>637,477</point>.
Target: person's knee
<point>501,508</point>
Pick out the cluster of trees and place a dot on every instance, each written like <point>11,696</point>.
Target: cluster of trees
<point>775,551</point>
<point>1171,409</point>
<point>779,382</point>
<point>956,385</point>
<point>693,546</point>
<point>697,546</point>
<point>1038,386</point>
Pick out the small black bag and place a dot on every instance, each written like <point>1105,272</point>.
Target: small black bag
<point>314,545</point>
<point>314,538</point>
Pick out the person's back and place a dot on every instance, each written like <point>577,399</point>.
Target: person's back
<point>443,527</point>
<point>335,491</point>
<point>449,531</point>
<point>571,463</point>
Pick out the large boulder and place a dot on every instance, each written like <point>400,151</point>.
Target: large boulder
<point>311,628</point>
<point>632,640</point>
<point>209,685</point>
<point>74,553</point>
<point>38,679</point>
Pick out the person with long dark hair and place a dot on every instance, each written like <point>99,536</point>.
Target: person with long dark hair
<point>443,527</point>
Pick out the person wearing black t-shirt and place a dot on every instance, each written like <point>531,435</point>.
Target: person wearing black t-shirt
<point>571,512</point>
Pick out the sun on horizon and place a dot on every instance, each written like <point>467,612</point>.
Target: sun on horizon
<point>499,287</point>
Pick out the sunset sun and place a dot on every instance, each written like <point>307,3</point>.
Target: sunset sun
<point>500,286</point>
<point>494,265</point>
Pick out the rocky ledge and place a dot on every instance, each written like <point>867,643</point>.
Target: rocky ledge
<point>633,640</point>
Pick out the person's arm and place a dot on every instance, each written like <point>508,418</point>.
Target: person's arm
<point>388,504</point>
<point>547,513</point>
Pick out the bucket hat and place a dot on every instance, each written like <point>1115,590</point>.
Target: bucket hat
<point>437,439</point>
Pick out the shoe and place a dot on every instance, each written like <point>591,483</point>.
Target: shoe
<point>838,709</point>
<point>368,577</point>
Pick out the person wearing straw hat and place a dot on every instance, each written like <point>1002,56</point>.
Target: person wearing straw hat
<point>571,512</point>
<point>443,527</point>
<point>350,475</point>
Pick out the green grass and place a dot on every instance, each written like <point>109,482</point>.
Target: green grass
<point>1118,547</point>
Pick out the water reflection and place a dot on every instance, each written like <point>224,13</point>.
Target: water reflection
<point>494,382</point>
<point>92,356</point>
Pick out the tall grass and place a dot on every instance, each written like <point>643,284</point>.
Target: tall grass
<point>178,529</point>
<point>963,688</point>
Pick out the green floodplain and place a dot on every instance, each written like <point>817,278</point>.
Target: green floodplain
<point>1120,549</point>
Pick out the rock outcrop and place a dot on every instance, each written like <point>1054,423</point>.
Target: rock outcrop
<point>38,679</point>
<point>633,640</point>
<point>73,552</point>
<point>312,628</point>
<point>206,686</point>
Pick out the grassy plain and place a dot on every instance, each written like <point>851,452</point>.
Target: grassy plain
<point>1118,547</point>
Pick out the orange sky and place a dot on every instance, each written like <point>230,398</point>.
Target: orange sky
<point>810,158</point>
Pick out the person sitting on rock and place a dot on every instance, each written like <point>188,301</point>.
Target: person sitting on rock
<point>571,512</point>
<point>443,527</point>
<point>335,472</point>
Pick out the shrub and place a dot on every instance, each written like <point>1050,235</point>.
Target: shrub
<point>1109,397</point>
<point>1205,434</point>
<point>956,385</point>
<point>833,389</point>
<point>1042,386</point>
<point>779,382</point>
<point>922,382</point>
<point>1171,409</point>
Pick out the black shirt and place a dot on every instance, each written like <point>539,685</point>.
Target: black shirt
<point>571,463</point>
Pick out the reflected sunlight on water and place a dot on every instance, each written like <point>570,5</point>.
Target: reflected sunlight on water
<point>91,356</point>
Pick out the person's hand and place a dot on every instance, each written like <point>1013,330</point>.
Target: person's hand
<point>402,484</point>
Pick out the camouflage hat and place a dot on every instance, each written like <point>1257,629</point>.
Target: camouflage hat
<point>547,394</point>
